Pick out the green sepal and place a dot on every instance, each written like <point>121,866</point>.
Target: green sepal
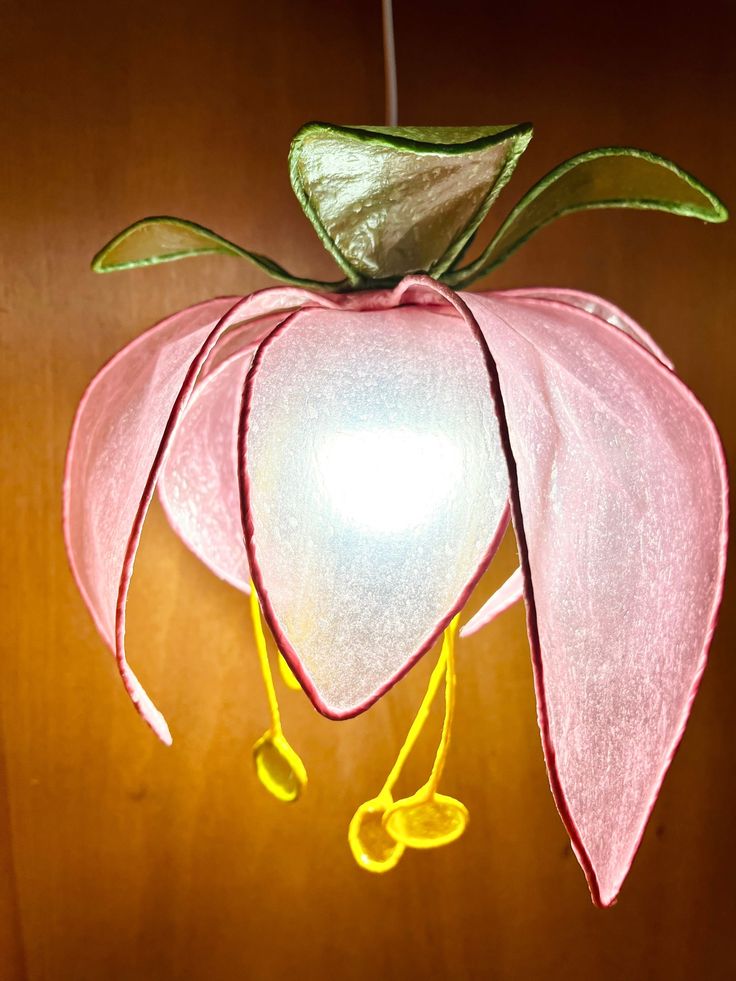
<point>386,201</point>
<point>610,177</point>
<point>161,238</point>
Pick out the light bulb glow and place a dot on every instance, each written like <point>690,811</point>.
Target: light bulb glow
<point>385,481</point>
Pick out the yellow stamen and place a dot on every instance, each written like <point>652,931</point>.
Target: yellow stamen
<point>450,686</point>
<point>287,675</point>
<point>428,819</point>
<point>415,730</point>
<point>278,766</point>
<point>379,830</point>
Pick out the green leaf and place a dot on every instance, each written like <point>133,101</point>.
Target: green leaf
<point>386,201</point>
<point>611,177</point>
<point>164,239</point>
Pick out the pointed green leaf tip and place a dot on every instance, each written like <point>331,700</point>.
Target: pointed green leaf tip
<point>162,238</point>
<point>159,239</point>
<point>388,201</point>
<point>611,177</point>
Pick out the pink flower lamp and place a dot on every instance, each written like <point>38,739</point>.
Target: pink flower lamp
<point>356,449</point>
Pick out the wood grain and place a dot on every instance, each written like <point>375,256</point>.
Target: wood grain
<point>122,860</point>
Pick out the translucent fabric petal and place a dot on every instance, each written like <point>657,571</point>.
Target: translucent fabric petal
<point>598,307</point>
<point>199,483</point>
<point>505,596</point>
<point>119,438</point>
<point>512,590</point>
<point>619,500</point>
<point>198,486</point>
<point>374,488</point>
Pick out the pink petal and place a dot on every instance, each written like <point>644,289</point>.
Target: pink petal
<point>598,307</point>
<point>198,486</point>
<point>375,488</point>
<point>512,589</point>
<point>619,492</point>
<point>121,431</point>
<point>504,598</point>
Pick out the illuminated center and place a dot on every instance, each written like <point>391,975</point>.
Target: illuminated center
<point>385,481</point>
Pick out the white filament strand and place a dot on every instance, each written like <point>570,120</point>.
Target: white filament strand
<point>389,65</point>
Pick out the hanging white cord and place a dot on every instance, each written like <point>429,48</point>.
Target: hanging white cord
<point>389,64</point>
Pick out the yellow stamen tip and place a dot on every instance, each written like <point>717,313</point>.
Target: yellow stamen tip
<point>279,768</point>
<point>421,822</point>
<point>373,848</point>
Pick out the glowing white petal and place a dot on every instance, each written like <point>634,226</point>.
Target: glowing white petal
<point>386,481</point>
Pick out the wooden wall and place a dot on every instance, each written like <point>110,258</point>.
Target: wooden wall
<point>122,860</point>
